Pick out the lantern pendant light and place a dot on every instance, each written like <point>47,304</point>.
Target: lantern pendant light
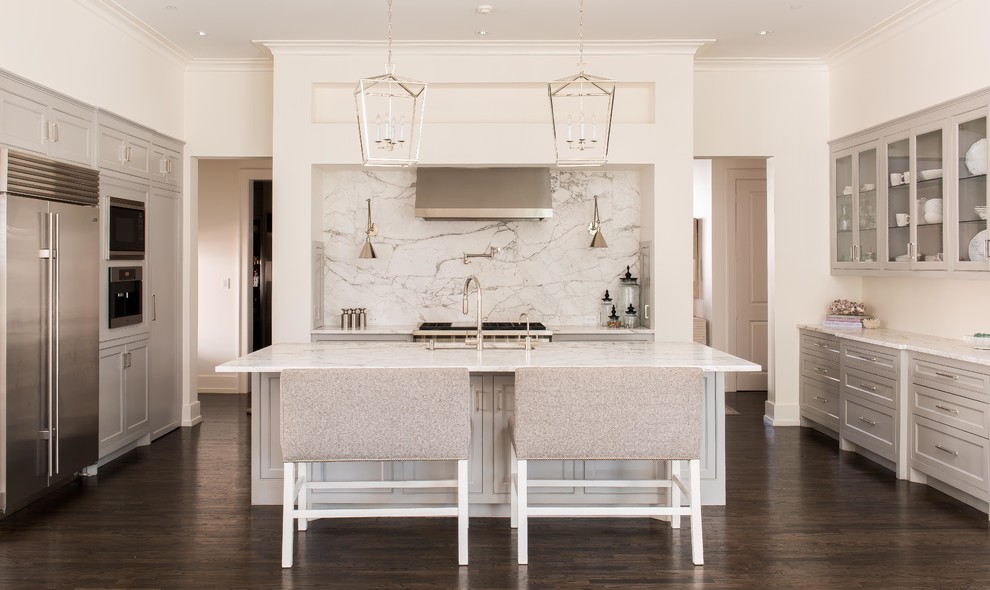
<point>390,114</point>
<point>581,111</point>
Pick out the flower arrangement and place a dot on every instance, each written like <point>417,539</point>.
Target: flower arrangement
<point>846,307</point>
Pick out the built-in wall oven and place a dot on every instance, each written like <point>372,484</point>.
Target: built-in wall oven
<point>125,229</point>
<point>124,296</point>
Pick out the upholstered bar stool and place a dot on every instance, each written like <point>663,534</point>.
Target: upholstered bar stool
<point>595,414</point>
<point>331,415</point>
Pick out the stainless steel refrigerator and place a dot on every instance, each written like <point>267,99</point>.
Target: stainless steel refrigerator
<point>49,333</point>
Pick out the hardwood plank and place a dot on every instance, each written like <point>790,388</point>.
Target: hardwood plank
<point>800,515</point>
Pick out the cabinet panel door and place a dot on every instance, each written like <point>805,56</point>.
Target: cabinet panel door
<point>163,278</point>
<point>111,398</point>
<point>138,161</point>
<point>110,148</point>
<point>166,166</point>
<point>972,243</point>
<point>72,134</point>
<point>23,123</point>
<point>136,388</point>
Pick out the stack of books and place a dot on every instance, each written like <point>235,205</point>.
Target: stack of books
<point>847,322</point>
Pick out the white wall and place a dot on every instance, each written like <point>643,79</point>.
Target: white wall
<point>224,187</point>
<point>659,135</point>
<point>779,112</point>
<point>941,54</point>
<point>228,111</point>
<point>72,47</point>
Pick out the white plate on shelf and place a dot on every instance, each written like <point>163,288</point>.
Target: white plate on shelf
<point>930,174</point>
<point>976,157</point>
<point>976,252</point>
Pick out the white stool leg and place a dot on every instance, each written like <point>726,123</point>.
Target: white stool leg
<point>462,512</point>
<point>697,548</point>
<point>288,501</point>
<point>522,535</point>
<point>675,494</point>
<point>513,485</point>
<point>303,502</point>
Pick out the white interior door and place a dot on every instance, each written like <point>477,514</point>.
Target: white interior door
<point>750,265</point>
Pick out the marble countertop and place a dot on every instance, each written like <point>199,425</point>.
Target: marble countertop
<point>936,345</point>
<point>407,329</point>
<point>414,354</point>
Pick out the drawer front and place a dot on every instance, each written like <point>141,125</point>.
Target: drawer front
<point>820,396</point>
<point>882,390</point>
<point>956,377</point>
<point>950,409</point>
<point>820,368</point>
<point>950,455</point>
<point>872,359</point>
<point>823,345</point>
<point>869,425</point>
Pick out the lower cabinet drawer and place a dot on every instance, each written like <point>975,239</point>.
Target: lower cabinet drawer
<point>882,390</point>
<point>950,455</point>
<point>813,366</point>
<point>869,425</point>
<point>966,414</point>
<point>820,402</point>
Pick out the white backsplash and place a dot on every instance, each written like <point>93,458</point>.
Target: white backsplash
<point>545,267</point>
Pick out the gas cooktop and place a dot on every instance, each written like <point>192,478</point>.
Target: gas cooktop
<point>488,326</point>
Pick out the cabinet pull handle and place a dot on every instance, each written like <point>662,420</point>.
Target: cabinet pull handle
<point>43,129</point>
<point>950,451</point>
<point>154,308</point>
<point>950,410</point>
<point>122,153</point>
<point>646,308</point>
<point>477,400</point>
<point>498,399</point>
<point>161,166</point>
<point>821,399</point>
<point>128,153</point>
<point>821,370</point>
<point>947,375</point>
<point>870,422</point>
<point>871,359</point>
<point>870,387</point>
<point>54,131</point>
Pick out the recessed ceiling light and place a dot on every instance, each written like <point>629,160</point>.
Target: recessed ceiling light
<point>764,33</point>
<point>201,33</point>
<point>482,32</point>
<point>484,8</point>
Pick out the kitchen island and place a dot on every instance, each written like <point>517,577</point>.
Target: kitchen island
<point>491,399</point>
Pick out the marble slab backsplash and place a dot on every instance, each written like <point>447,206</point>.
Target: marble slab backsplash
<point>545,268</point>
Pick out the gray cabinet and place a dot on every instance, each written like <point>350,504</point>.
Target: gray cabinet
<point>163,279</point>
<point>166,162</point>
<point>819,389</point>
<point>39,122</point>
<point>949,423</point>
<point>124,418</point>
<point>868,406</point>
<point>911,195</point>
<point>123,147</point>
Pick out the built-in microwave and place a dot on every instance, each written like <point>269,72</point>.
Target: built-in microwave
<point>125,229</point>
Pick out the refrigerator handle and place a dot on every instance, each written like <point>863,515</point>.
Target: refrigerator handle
<point>49,254</point>
<point>57,332</point>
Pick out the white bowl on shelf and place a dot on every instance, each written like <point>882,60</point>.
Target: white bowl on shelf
<point>931,174</point>
<point>981,212</point>
<point>978,342</point>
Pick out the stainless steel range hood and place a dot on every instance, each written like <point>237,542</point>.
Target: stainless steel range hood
<point>483,193</point>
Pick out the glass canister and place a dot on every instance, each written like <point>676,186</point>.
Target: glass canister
<point>630,296</point>
<point>613,320</point>
<point>629,320</point>
<point>606,310</point>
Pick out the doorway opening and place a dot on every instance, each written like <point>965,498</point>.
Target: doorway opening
<point>261,265</point>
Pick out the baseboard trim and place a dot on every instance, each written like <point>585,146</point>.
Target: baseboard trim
<point>781,414</point>
<point>191,415</point>
<point>214,383</point>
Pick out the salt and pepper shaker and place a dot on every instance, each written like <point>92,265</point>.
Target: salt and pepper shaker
<point>345,316</point>
<point>362,318</point>
<point>353,318</point>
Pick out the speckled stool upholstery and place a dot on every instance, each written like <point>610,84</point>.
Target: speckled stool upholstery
<point>596,414</point>
<point>373,415</point>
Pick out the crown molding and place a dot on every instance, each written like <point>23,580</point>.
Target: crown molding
<point>526,48</point>
<point>259,64</point>
<point>909,17</point>
<point>115,15</point>
<point>764,64</point>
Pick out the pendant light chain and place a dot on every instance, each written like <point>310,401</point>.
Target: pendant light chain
<point>580,36</point>
<point>389,11</point>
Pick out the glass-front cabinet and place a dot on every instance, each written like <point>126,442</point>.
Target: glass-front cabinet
<point>970,176</point>
<point>911,195</point>
<point>854,208</point>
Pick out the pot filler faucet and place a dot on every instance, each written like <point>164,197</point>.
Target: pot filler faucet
<point>467,285</point>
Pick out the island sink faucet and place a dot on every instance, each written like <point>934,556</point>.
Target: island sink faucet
<point>467,285</point>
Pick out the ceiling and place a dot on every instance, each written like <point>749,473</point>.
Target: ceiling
<point>798,29</point>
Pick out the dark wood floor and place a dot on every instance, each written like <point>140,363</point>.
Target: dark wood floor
<point>800,515</point>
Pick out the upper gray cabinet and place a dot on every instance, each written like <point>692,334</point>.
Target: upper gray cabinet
<point>124,147</point>
<point>41,122</point>
<point>166,161</point>
<point>911,195</point>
